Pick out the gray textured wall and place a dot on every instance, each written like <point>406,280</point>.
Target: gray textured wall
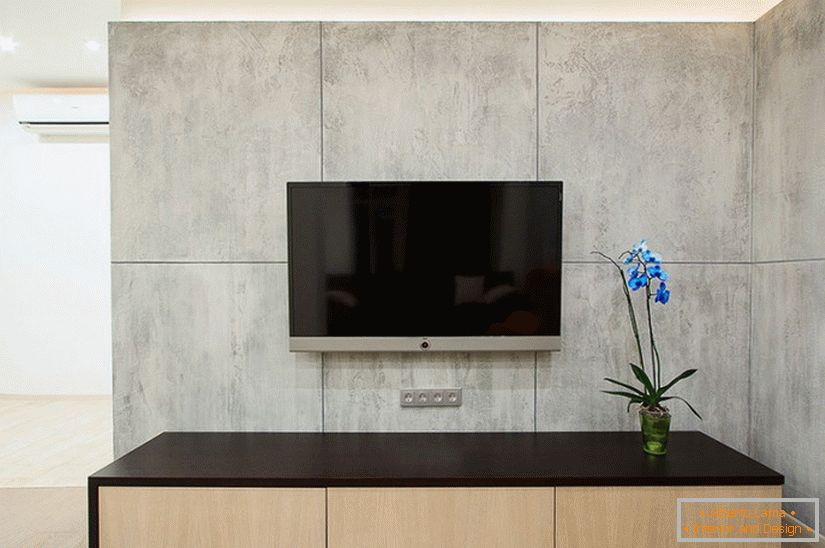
<point>649,125</point>
<point>788,365</point>
<point>208,122</point>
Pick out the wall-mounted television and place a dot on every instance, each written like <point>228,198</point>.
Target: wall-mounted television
<point>424,266</point>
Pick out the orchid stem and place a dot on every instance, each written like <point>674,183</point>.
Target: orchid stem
<point>633,324</point>
<point>654,353</point>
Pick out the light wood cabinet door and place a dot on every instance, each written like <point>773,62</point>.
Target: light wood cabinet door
<point>154,517</point>
<point>444,517</point>
<point>637,517</point>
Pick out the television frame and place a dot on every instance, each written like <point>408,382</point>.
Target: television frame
<point>474,343</point>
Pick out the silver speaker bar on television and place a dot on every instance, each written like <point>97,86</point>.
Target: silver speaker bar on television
<point>424,344</point>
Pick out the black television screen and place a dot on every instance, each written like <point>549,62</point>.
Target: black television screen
<point>425,265</point>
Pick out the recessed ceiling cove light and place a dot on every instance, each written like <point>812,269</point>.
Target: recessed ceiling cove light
<point>92,45</point>
<point>8,44</point>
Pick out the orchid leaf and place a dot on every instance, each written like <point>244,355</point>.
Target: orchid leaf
<point>643,378</point>
<point>683,375</point>
<point>628,386</point>
<point>685,402</point>
<point>630,395</point>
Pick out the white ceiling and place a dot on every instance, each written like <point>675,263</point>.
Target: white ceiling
<point>450,10</point>
<point>51,34</point>
<point>51,37</point>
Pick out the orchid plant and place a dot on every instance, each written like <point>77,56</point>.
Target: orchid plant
<point>641,269</point>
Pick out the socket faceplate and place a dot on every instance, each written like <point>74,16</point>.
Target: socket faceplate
<point>431,397</point>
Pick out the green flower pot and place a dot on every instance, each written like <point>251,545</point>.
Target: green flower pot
<point>655,430</point>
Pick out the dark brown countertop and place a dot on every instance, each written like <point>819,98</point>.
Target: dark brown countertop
<point>429,459</point>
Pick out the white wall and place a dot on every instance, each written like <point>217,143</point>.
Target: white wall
<point>55,327</point>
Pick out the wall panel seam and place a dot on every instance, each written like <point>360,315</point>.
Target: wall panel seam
<point>538,176</point>
<point>749,436</point>
<point>321,134</point>
<point>677,262</point>
<point>538,91</point>
<point>789,261</point>
<point>321,90</point>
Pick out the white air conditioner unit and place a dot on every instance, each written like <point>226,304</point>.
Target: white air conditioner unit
<point>61,115</point>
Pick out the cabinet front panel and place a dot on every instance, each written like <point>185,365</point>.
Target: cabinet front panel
<point>444,517</point>
<point>153,517</point>
<point>637,517</point>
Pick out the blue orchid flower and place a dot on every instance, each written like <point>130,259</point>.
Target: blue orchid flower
<point>656,271</point>
<point>637,282</point>
<point>650,257</point>
<point>662,293</point>
<point>639,248</point>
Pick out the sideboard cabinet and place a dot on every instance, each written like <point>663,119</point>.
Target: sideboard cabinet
<point>563,490</point>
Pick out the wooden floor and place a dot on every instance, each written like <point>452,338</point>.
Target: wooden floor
<point>48,447</point>
<point>43,517</point>
<point>50,441</point>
